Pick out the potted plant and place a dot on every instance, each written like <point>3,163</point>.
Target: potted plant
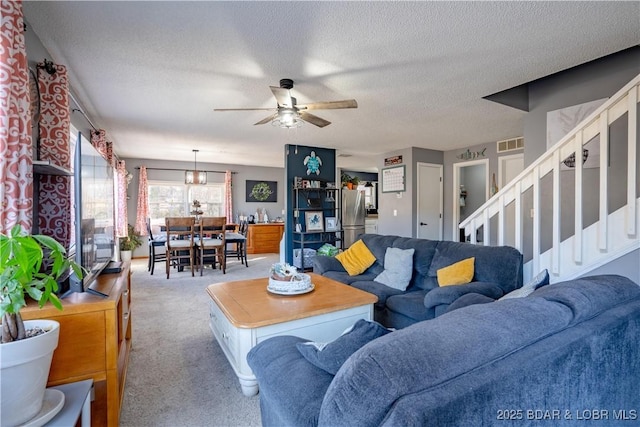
<point>30,265</point>
<point>354,182</point>
<point>345,178</point>
<point>132,241</point>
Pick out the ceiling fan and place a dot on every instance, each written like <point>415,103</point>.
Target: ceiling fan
<point>289,114</point>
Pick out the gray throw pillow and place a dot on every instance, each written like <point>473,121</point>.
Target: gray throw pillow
<point>330,356</point>
<point>398,268</point>
<point>540,280</point>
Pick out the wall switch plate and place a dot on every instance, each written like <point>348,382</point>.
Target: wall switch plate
<point>395,212</point>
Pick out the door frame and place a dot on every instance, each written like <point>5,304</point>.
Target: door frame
<point>440,199</point>
<point>456,191</point>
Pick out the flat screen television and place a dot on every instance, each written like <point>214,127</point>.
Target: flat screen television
<point>95,213</point>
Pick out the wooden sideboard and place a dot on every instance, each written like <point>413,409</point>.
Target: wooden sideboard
<point>264,238</point>
<point>95,342</point>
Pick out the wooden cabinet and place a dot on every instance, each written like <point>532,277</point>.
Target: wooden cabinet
<point>95,341</point>
<point>371,225</point>
<point>264,238</point>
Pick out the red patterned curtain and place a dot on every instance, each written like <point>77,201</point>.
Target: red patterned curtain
<point>121,200</point>
<point>16,178</point>
<point>55,198</point>
<point>228,197</point>
<point>143,203</point>
<point>104,147</point>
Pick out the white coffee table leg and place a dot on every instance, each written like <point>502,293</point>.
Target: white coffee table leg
<point>249,386</point>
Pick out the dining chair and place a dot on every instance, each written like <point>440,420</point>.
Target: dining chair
<point>237,235</point>
<point>211,242</point>
<point>180,234</point>
<point>155,242</point>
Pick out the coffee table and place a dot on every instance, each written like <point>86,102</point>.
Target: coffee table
<point>244,313</point>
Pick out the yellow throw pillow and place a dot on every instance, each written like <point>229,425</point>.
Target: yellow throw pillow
<point>356,259</point>
<point>456,274</point>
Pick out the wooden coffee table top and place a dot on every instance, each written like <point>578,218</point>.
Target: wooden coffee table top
<point>248,304</point>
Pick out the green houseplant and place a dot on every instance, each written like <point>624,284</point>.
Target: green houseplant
<point>21,273</point>
<point>132,241</point>
<point>345,179</point>
<point>30,265</point>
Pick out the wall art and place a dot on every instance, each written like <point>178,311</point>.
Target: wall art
<point>262,191</point>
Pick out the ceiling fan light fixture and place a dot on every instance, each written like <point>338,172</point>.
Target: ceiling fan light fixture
<point>287,118</point>
<point>195,176</point>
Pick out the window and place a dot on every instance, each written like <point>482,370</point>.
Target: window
<point>173,199</point>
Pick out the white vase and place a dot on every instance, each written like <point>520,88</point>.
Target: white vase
<point>24,369</point>
<point>125,256</point>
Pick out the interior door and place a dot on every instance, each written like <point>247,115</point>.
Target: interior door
<point>430,201</point>
<point>508,168</point>
<point>473,177</point>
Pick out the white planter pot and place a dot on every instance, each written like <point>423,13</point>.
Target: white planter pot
<point>24,370</point>
<point>125,255</point>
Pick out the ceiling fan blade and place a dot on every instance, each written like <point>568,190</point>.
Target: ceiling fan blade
<point>314,120</point>
<point>266,120</point>
<point>282,96</point>
<point>243,109</point>
<point>329,105</point>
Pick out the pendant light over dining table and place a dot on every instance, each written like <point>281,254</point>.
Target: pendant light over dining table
<point>195,176</point>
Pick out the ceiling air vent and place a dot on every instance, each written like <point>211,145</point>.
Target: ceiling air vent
<point>510,144</point>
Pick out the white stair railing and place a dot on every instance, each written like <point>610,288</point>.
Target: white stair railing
<point>612,235</point>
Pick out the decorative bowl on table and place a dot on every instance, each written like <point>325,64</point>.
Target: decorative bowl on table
<point>285,279</point>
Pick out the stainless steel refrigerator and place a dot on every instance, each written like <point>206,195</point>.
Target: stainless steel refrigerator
<point>353,213</point>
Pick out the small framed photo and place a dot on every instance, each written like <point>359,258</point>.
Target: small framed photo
<point>314,221</point>
<point>330,224</point>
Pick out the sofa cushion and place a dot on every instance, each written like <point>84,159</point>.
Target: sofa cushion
<point>398,268</point>
<point>330,356</point>
<point>279,354</point>
<point>589,296</point>
<point>458,273</point>
<point>410,304</point>
<point>356,259</point>
<point>343,277</point>
<point>501,265</point>
<point>378,289</point>
<point>541,279</point>
<point>378,244</point>
<point>469,299</point>
<point>422,257</point>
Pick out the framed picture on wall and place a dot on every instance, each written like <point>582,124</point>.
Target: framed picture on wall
<point>330,224</point>
<point>262,191</point>
<point>314,221</point>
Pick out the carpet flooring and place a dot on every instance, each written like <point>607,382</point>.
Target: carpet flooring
<point>178,375</point>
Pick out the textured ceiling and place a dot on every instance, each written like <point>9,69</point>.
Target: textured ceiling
<point>151,73</point>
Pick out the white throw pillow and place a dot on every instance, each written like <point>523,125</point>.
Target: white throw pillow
<point>540,280</point>
<point>398,268</point>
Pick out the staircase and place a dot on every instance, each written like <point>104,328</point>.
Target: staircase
<point>533,212</point>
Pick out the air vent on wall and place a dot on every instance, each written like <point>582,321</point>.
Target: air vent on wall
<point>510,144</point>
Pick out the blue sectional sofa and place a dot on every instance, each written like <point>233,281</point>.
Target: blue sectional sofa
<point>498,270</point>
<point>565,353</point>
